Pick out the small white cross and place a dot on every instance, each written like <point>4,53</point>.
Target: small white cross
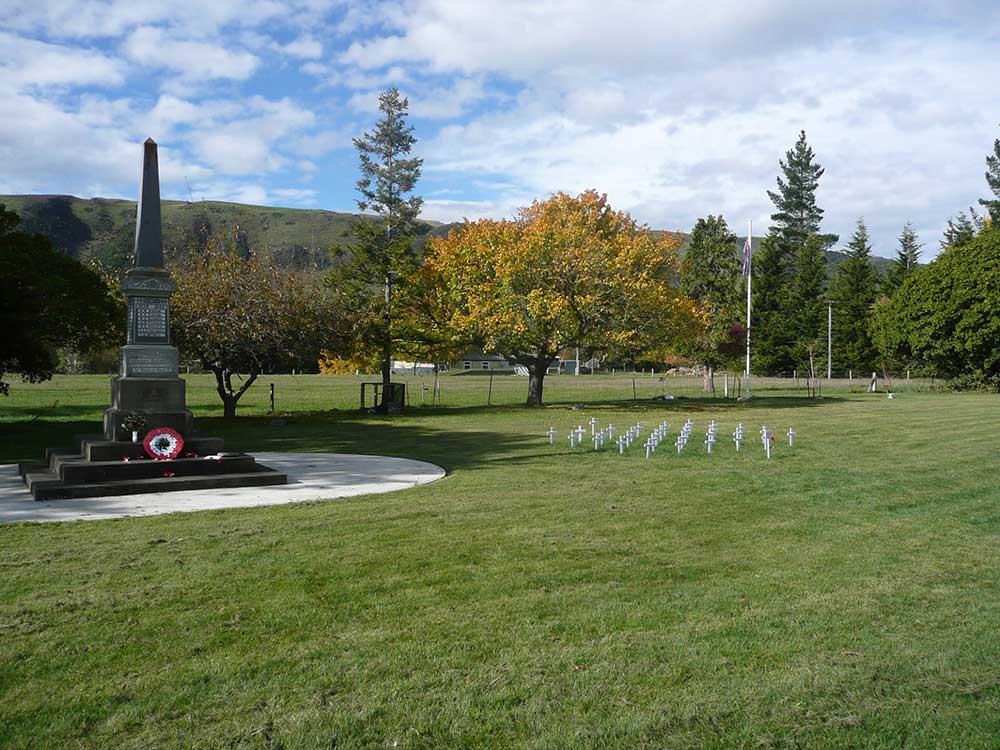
<point>552,435</point>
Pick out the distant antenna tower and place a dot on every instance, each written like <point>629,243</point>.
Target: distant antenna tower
<point>190,193</point>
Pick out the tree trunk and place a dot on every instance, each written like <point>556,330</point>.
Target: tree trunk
<point>224,386</point>
<point>709,379</point>
<point>536,377</point>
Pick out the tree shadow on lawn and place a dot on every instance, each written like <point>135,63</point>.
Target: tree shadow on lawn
<point>301,433</point>
<point>24,413</point>
<point>677,404</point>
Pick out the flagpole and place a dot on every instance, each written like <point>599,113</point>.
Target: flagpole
<point>749,284</point>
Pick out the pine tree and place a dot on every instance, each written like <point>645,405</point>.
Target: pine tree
<point>777,313</point>
<point>808,301</point>
<point>381,253</point>
<point>771,336</point>
<point>962,229</point>
<point>905,261</point>
<point>797,216</point>
<point>854,291</point>
<point>993,180</point>
<point>710,276</point>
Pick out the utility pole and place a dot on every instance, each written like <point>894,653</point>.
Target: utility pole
<point>829,339</point>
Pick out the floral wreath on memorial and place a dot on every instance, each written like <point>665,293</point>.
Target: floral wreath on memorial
<point>163,443</point>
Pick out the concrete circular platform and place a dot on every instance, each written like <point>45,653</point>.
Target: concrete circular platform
<point>311,476</point>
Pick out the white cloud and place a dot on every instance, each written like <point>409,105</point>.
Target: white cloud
<point>195,61</point>
<point>37,64</point>
<point>305,47</point>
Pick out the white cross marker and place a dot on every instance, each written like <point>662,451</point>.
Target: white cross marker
<point>552,435</point>
<point>791,438</point>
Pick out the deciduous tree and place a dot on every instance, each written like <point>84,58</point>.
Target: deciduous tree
<point>565,272</point>
<point>239,316</point>
<point>945,315</point>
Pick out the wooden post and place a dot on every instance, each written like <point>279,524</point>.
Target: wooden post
<point>489,394</point>
<point>271,410</point>
<point>633,390</point>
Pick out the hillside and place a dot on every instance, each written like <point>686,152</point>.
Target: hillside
<point>102,229</point>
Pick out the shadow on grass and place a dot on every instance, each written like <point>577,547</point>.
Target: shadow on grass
<point>354,432</point>
<point>308,433</point>
<point>677,404</point>
<point>54,410</point>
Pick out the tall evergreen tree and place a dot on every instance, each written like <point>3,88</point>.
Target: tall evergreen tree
<point>771,336</point>
<point>905,261</point>
<point>710,275</point>
<point>797,215</point>
<point>993,180</point>
<point>381,253</point>
<point>962,229</point>
<point>854,291</point>
<point>779,317</point>
<point>808,300</point>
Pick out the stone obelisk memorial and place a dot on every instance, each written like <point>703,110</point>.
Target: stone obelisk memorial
<point>148,382</point>
<point>147,387</point>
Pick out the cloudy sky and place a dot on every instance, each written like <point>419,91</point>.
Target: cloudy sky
<point>675,109</point>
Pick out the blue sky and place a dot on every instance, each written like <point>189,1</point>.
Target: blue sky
<point>675,109</point>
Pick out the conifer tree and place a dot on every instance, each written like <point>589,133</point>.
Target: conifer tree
<point>905,261</point>
<point>797,215</point>
<point>776,309</point>
<point>808,300</point>
<point>710,275</point>
<point>962,229</point>
<point>771,337</point>
<point>381,254</point>
<point>854,291</point>
<point>993,180</point>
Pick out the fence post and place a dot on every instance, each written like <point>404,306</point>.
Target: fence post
<point>489,394</point>
<point>633,390</point>
<point>271,410</point>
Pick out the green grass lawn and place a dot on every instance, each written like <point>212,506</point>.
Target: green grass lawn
<point>844,596</point>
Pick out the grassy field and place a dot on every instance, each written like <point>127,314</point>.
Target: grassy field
<point>846,595</point>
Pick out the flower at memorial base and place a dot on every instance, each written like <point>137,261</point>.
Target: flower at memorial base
<point>124,458</point>
<point>168,473</point>
<point>163,443</point>
<point>133,422</point>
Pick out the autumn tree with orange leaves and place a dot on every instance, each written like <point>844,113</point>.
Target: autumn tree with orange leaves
<point>565,272</point>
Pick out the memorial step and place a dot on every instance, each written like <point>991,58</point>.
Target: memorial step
<point>76,469</point>
<point>46,486</point>
<point>100,449</point>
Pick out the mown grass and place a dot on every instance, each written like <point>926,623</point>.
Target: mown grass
<point>845,595</point>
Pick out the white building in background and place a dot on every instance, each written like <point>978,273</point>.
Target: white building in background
<point>402,367</point>
<point>475,362</point>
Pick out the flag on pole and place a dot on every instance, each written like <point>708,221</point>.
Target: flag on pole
<point>746,257</point>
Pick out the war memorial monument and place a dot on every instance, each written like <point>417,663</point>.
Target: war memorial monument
<point>149,443</point>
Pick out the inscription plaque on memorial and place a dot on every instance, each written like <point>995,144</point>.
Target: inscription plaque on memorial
<point>150,319</point>
<point>148,361</point>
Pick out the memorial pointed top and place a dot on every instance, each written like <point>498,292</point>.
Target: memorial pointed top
<point>148,231</point>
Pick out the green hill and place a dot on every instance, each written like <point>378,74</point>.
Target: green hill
<point>102,229</point>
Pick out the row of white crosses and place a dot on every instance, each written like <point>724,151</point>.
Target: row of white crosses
<point>685,435</point>
<point>632,433</point>
<point>713,428</point>
<point>656,437</point>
